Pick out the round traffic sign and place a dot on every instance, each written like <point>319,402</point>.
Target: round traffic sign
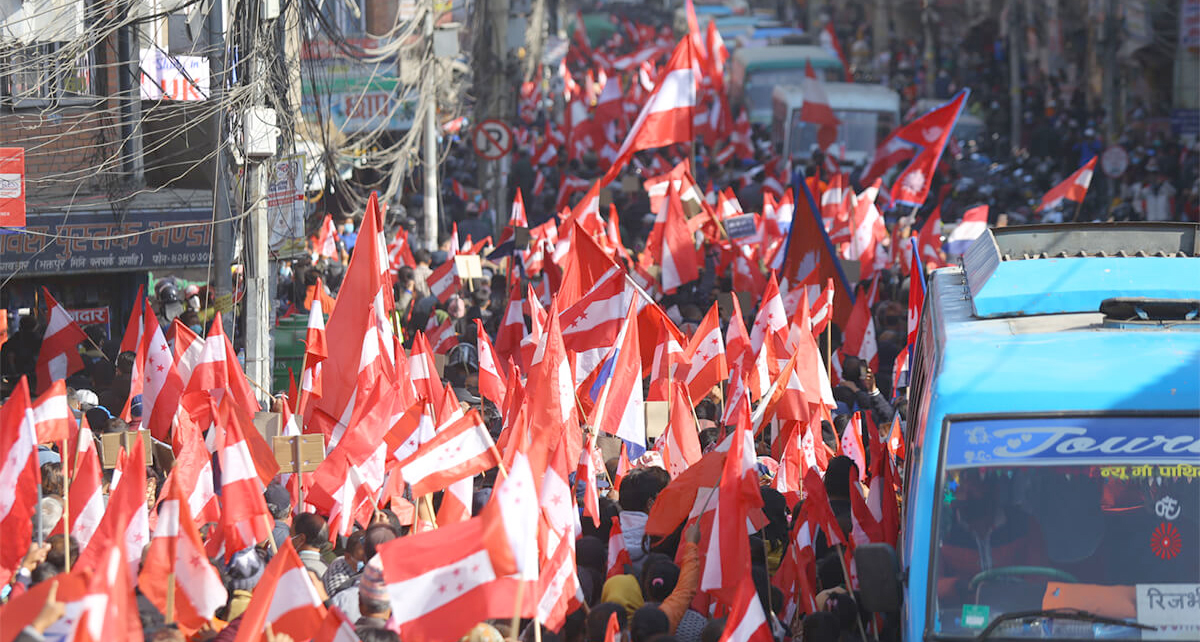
<point>492,139</point>
<point>1114,161</point>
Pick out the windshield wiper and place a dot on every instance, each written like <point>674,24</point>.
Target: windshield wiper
<point>1066,614</point>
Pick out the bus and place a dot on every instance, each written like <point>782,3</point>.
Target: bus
<point>1052,480</point>
<point>868,113</point>
<point>755,71</point>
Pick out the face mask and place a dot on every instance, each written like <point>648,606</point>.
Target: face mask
<point>199,330</point>
<point>359,568</point>
<point>348,228</point>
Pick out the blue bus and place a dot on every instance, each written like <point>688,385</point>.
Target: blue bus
<point>1052,480</point>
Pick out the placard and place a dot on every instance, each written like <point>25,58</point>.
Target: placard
<point>305,452</point>
<point>468,266</point>
<point>658,413</point>
<point>1168,604</point>
<point>111,444</point>
<point>740,227</point>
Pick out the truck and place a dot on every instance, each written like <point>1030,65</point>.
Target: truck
<point>1051,486</point>
<point>754,72</point>
<point>868,113</point>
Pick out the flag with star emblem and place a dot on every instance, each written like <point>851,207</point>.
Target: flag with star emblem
<point>462,449</point>
<point>176,548</point>
<point>161,384</point>
<point>705,356</point>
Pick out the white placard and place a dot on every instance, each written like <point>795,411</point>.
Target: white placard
<point>166,77</point>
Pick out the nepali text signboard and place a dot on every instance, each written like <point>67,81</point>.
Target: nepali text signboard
<point>92,241</point>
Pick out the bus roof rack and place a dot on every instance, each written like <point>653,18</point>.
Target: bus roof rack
<point>1015,271</point>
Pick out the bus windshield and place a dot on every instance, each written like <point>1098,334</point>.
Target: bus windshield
<point>1099,514</point>
<point>859,132</point>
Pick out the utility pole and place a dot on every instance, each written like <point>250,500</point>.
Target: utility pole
<point>927,18</point>
<point>1014,74</point>
<point>429,98</point>
<point>222,257</point>
<point>1111,100</point>
<point>880,34</point>
<point>494,89</point>
<point>260,132</point>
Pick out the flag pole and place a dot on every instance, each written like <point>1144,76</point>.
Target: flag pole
<point>846,570</point>
<point>169,615</point>
<point>66,510</point>
<point>515,628</point>
<point>829,348</point>
<point>1078,207</point>
<point>500,459</point>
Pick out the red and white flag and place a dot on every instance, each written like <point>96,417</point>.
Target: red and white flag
<point>336,628</point>
<point>399,251</point>
<point>771,322</point>
<point>816,108</point>
<point>727,555</point>
<point>315,352</point>
<point>245,470</point>
<point>867,234</point>
<point>87,494</point>
<point>176,551</point>
<point>326,243</point>
<point>930,132</point>
<point>667,117</point>
<point>618,555</point>
<point>680,443</point>
<point>462,449</point>
<point>439,592</point>
<point>746,621</point>
<point>680,263</point>
<point>58,357</point>
<point>109,607</point>
<point>705,356</point>
<point>162,385</point>
<point>126,519</point>
<point>851,445</point>
<point>193,470</point>
<point>492,382</point>
<point>284,599</point>
<point>1074,188</point>
<point>19,477</point>
<point>51,415</point>
<point>619,406</point>
<point>859,337</point>
<point>444,281</point>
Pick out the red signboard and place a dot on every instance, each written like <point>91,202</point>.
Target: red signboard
<point>12,187</point>
<point>89,316</point>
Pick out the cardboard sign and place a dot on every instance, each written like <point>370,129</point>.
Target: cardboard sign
<point>740,227</point>
<point>657,416</point>
<point>298,454</point>
<point>468,266</point>
<point>111,444</point>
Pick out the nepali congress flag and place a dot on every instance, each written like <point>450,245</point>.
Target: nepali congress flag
<point>1073,189</point>
<point>929,132</point>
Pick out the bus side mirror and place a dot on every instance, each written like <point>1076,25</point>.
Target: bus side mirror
<point>878,577</point>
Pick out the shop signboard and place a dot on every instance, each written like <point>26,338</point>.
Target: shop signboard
<point>95,241</point>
